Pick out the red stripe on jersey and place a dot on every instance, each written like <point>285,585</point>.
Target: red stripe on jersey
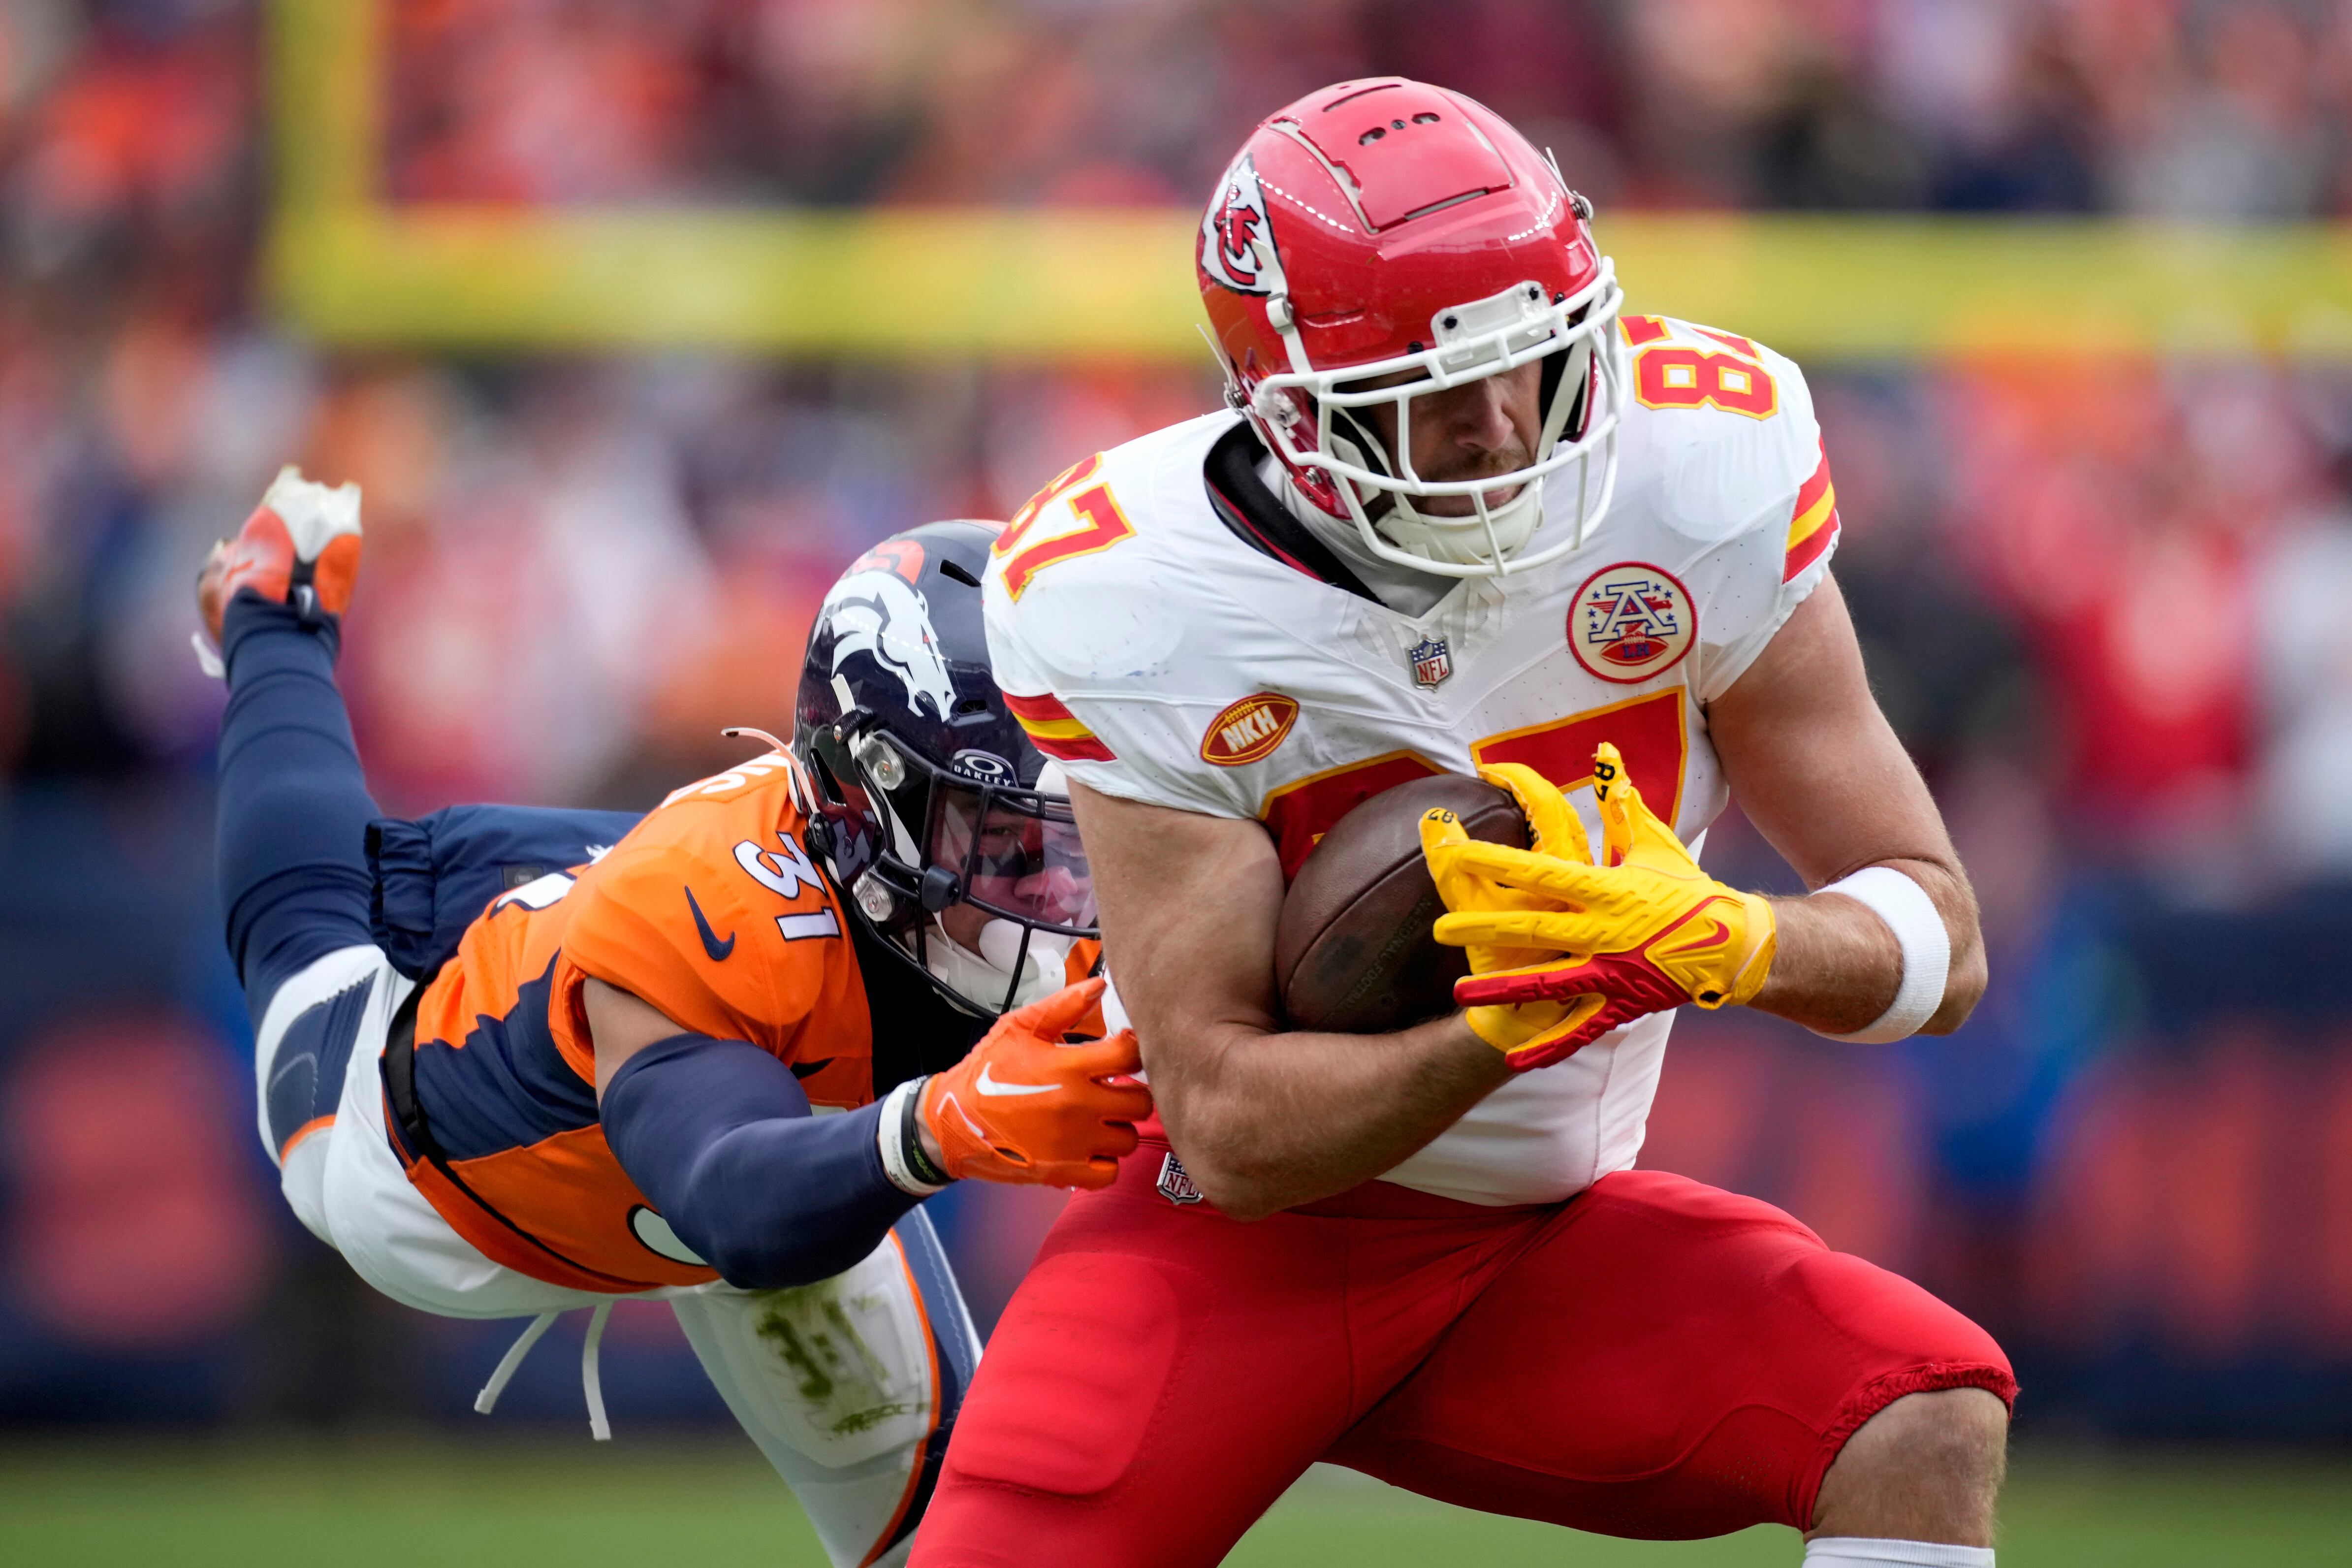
<point>1042,708</point>
<point>1056,730</point>
<point>1811,548</point>
<point>1073,749</point>
<point>1813,521</point>
<point>1813,488</point>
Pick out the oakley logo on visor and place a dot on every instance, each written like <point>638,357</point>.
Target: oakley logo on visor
<point>986,767</point>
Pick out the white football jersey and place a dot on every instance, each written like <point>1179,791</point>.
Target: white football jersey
<point>1156,628</point>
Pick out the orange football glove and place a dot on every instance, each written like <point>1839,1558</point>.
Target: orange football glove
<point>1562,951</point>
<point>1023,1107</point>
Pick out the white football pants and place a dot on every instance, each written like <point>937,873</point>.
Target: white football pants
<point>836,1382</point>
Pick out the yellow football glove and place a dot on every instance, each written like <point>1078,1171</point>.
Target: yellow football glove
<point>1561,950</point>
<point>1520,1032</point>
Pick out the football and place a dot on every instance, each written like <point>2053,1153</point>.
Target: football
<point>1354,953</point>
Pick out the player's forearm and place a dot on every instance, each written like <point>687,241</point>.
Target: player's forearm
<point>1266,1121</point>
<point>1837,966</point>
<point>719,1137</point>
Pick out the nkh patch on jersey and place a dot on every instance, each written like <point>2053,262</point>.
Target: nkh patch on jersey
<point>1249,730</point>
<point>1433,661</point>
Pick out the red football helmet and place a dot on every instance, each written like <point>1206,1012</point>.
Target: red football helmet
<point>1388,228</point>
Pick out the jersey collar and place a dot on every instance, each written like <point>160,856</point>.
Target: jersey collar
<point>1255,515</point>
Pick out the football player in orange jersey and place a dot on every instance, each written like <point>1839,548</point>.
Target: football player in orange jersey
<point>677,1068</point>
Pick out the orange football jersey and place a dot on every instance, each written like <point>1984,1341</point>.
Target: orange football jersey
<point>711,911</point>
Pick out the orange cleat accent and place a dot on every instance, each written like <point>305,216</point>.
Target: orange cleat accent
<point>300,546</point>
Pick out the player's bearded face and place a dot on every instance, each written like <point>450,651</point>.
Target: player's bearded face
<point>1485,427</point>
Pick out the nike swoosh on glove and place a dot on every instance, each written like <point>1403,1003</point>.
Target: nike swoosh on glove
<point>1023,1107</point>
<point>1562,951</point>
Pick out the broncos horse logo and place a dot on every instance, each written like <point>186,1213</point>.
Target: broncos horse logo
<point>881,613</point>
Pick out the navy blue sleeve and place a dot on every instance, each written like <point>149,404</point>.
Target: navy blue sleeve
<point>718,1134</point>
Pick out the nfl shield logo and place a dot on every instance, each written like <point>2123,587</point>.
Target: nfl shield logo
<point>1432,661</point>
<point>1174,1185</point>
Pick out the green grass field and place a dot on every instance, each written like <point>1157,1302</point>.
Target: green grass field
<point>703,1502</point>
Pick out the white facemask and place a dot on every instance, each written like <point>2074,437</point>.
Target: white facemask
<point>1481,338</point>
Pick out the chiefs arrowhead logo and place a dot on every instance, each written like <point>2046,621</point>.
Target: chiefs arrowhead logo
<point>1231,230</point>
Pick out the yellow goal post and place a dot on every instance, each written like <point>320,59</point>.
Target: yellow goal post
<point>345,267</point>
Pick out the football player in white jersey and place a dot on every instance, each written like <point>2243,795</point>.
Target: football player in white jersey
<point>1464,514</point>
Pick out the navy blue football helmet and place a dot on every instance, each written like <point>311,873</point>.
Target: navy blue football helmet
<point>951,834</point>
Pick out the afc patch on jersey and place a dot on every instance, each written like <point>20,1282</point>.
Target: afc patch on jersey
<point>1630,621</point>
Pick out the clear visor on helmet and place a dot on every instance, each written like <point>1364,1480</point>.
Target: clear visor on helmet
<point>1471,342</point>
<point>1015,853</point>
<point>982,883</point>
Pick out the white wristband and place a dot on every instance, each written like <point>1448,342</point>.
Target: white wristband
<point>891,1138</point>
<point>1927,946</point>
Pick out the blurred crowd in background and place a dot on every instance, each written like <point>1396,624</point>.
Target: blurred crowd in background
<point>2153,106</point>
<point>2102,601</point>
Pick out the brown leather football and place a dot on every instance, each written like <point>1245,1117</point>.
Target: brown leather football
<point>1352,952</point>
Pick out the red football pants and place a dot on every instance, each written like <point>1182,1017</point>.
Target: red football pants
<point>1653,1358</point>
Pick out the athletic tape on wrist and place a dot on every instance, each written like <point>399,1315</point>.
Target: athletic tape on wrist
<point>1927,946</point>
<point>1864,1551</point>
<point>891,1134</point>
